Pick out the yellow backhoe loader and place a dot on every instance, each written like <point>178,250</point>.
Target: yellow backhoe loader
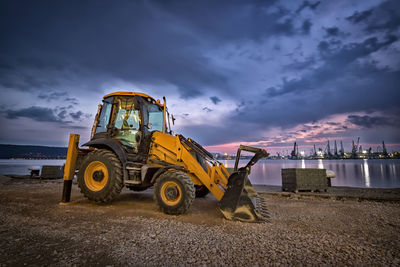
<point>132,145</point>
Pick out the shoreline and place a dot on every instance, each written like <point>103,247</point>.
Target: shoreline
<point>334,192</point>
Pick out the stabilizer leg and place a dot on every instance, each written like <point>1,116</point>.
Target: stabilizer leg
<point>66,195</point>
<point>69,169</point>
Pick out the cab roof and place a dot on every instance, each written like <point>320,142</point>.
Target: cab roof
<point>133,94</point>
<point>127,94</point>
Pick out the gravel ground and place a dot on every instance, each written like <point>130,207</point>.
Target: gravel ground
<point>36,230</point>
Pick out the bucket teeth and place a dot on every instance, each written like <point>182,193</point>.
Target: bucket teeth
<point>261,206</point>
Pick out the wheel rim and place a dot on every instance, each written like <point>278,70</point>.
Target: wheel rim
<point>171,193</point>
<point>96,176</point>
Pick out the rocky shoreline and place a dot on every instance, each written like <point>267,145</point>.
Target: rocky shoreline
<point>337,193</point>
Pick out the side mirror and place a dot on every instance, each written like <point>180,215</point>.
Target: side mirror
<point>173,119</point>
<point>149,126</point>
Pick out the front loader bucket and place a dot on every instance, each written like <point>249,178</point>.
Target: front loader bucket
<point>240,201</point>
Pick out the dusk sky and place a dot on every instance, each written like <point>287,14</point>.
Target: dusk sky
<point>262,73</point>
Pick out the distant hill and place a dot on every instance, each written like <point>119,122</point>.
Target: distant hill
<point>32,152</point>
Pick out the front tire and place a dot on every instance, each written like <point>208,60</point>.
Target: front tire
<point>100,176</point>
<point>174,192</point>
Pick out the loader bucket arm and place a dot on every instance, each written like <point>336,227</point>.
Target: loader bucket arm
<point>259,154</point>
<point>238,199</point>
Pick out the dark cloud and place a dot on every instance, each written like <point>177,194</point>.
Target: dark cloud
<point>385,17</point>
<point>391,25</point>
<point>22,80</point>
<point>300,65</point>
<point>58,97</point>
<point>45,114</point>
<point>333,123</point>
<point>323,46</point>
<point>326,90</point>
<point>307,4</point>
<point>52,95</point>
<point>332,31</point>
<point>107,44</point>
<point>369,121</point>
<point>36,113</point>
<point>215,100</point>
<point>76,115</point>
<point>62,114</point>
<point>72,100</point>
<point>203,48</point>
<point>359,16</point>
<point>306,26</point>
<point>335,62</point>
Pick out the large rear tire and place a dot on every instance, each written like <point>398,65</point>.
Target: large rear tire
<point>174,192</point>
<point>100,176</point>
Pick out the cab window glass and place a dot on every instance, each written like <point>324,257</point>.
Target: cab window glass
<point>104,118</point>
<point>155,118</point>
<point>127,122</point>
<point>127,119</point>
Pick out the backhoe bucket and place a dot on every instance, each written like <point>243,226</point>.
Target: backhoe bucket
<point>240,201</point>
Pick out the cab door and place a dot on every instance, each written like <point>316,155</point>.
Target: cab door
<point>127,123</point>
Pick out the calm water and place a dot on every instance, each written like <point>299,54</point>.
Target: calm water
<point>356,173</point>
<point>20,166</point>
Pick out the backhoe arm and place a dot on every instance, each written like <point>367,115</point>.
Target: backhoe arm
<point>238,199</point>
<point>176,150</point>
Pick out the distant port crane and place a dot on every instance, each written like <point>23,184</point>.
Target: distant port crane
<point>354,148</point>
<point>384,151</point>
<point>341,149</point>
<point>328,153</point>
<point>295,152</point>
<point>335,151</point>
<point>357,152</point>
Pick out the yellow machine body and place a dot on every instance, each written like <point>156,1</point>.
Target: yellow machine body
<point>173,164</point>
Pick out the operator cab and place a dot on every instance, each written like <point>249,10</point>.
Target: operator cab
<point>130,118</point>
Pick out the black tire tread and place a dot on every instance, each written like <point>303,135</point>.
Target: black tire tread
<point>189,192</point>
<point>118,183</point>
